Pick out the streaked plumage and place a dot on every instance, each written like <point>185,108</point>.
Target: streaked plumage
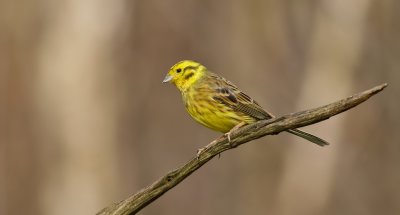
<point>216,102</point>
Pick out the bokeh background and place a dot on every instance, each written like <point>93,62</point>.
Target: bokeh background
<point>85,120</point>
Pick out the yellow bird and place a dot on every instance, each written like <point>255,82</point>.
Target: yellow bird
<point>217,103</point>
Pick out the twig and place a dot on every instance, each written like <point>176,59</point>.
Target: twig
<point>136,202</point>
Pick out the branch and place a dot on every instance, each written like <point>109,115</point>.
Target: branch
<point>141,199</point>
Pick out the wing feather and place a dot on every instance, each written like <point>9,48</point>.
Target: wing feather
<point>228,94</point>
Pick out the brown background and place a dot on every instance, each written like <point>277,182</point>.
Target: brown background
<point>85,120</point>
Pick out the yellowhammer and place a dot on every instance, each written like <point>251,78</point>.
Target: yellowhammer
<point>217,103</point>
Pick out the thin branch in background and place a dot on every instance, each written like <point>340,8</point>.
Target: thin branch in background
<point>141,199</point>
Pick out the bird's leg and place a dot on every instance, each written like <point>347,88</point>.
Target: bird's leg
<point>228,134</point>
<point>199,151</point>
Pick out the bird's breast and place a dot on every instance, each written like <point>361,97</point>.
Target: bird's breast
<point>211,113</point>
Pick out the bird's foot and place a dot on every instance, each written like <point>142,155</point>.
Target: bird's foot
<point>199,151</point>
<point>226,135</point>
<point>229,133</point>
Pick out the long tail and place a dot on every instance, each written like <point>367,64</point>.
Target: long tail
<point>308,137</point>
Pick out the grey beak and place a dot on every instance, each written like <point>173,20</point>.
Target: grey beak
<point>167,79</point>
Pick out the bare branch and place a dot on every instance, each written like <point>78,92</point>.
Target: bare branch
<point>136,202</point>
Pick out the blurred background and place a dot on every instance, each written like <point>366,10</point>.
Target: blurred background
<point>85,120</point>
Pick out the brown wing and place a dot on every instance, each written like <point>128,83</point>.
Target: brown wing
<point>228,94</point>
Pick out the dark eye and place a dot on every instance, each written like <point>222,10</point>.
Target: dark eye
<point>178,70</point>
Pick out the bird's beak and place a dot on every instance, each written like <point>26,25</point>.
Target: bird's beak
<point>167,78</point>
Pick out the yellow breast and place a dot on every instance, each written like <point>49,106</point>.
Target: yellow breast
<point>213,114</point>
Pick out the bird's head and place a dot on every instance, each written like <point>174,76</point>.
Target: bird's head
<point>184,74</point>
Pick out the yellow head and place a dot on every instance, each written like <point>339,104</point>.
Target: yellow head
<point>184,74</point>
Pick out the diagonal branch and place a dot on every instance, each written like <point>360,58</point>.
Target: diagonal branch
<point>141,199</point>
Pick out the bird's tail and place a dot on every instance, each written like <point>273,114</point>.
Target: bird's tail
<point>308,137</point>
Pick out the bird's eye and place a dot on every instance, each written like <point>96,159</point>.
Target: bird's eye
<point>178,70</point>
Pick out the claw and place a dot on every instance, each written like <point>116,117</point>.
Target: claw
<point>228,134</point>
<point>229,137</point>
<point>199,151</point>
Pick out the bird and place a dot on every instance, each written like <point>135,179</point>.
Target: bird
<point>217,103</point>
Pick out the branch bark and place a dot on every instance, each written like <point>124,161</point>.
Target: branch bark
<point>141,199</point>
